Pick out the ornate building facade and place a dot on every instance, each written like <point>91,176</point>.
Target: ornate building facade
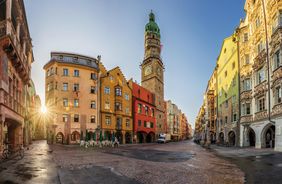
<point>152,76</point>
<point>260,41</point>
<point>116,106</point>
<point>71,92</point>
<point>16,56</point>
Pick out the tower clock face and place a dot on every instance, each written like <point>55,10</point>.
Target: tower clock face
<point>148,70</point>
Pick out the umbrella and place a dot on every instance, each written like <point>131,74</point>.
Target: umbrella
<point>94,136</point>
<point>101,136</point>
<point>113,137</point>
<point>86,136</point>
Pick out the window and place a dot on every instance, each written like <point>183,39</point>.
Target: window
<point>139,108</point>
<point>260,104</point>
<point>226,119</point>
<point>65,86</point>
<point>65,118</point>
<point>278,95</point>
<point>233,65</point>
<point>107,90</point>
<point>226,104</point>
<point>93,76</point>
<point>152,112</point>
<point>50,86</point>
<point>75,87</point>
<point>260,47</point>
<point>108,120</point>
<point>118,91</point>
<point>76,73</point>
<point>76,118</point>
<point>93,105</point>
<point>258,22</point>
<point>93,119</point>
<point>246,37</point>
<point>246,84</point>
<point>48,73</point>
<point>145,123</point>
<point>146,110</point>
<point>152,125</point>
<point>65,102</point>
<point>234,82</point>
<point>276,60</point>
<point>75,103</point>
<point>107,105</point>
<point>234,117</point>
<point>65,72</point>
<point>247,59</point>
<point>119,123</point>
<point>93,90</point>
<point>260,76</point>
<point>225,74</point>
<point>139,123</point>
<point>126,96</point>
<point>118,106</point>
<point>127,110</point>
<point>127,123</point>
<point>246,109</point>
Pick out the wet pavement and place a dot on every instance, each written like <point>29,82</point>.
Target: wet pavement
<point>181,162</point>
<point>261,166</point>
<point>37,166</point>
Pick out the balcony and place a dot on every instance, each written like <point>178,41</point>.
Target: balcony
<point>260,115</point>
<point>246,119</point>
<point>277,109</point>
<point>259,60</point>
<point>14,50</point>
<point>261,88</point>
<point>245,95</point>
<point>277,74</point>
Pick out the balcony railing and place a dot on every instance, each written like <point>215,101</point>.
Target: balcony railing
<point>260,115</point>
<point>260,59</point>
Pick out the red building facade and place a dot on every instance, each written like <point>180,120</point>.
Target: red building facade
<point>144,120</point>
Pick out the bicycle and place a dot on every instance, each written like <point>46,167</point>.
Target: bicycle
<point>8,151</point>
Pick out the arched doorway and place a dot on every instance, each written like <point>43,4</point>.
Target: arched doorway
<point>268,136</point>
<point>75,136</point>
<point>141,137</point>
<point>128,138</point>
<point>252,137</point>
<point>150,137</point>
<point>231,138</point>
<point>60,138</point>
<point>221,138</point>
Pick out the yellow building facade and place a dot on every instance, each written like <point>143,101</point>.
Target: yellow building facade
<point>228,92</point>
<point>71,96</point>
<point>116,105</point>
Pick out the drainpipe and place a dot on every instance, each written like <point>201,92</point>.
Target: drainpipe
<point>239,81</point>
<point>267,61</point>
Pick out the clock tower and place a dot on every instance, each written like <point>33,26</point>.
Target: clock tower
<point>152,76</point>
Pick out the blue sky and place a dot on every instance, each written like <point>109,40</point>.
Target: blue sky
<point>191,33</point>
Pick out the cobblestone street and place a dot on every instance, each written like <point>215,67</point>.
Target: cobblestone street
<point>182,162</point>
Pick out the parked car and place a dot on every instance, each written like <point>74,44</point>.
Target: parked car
<point>163,138</point>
